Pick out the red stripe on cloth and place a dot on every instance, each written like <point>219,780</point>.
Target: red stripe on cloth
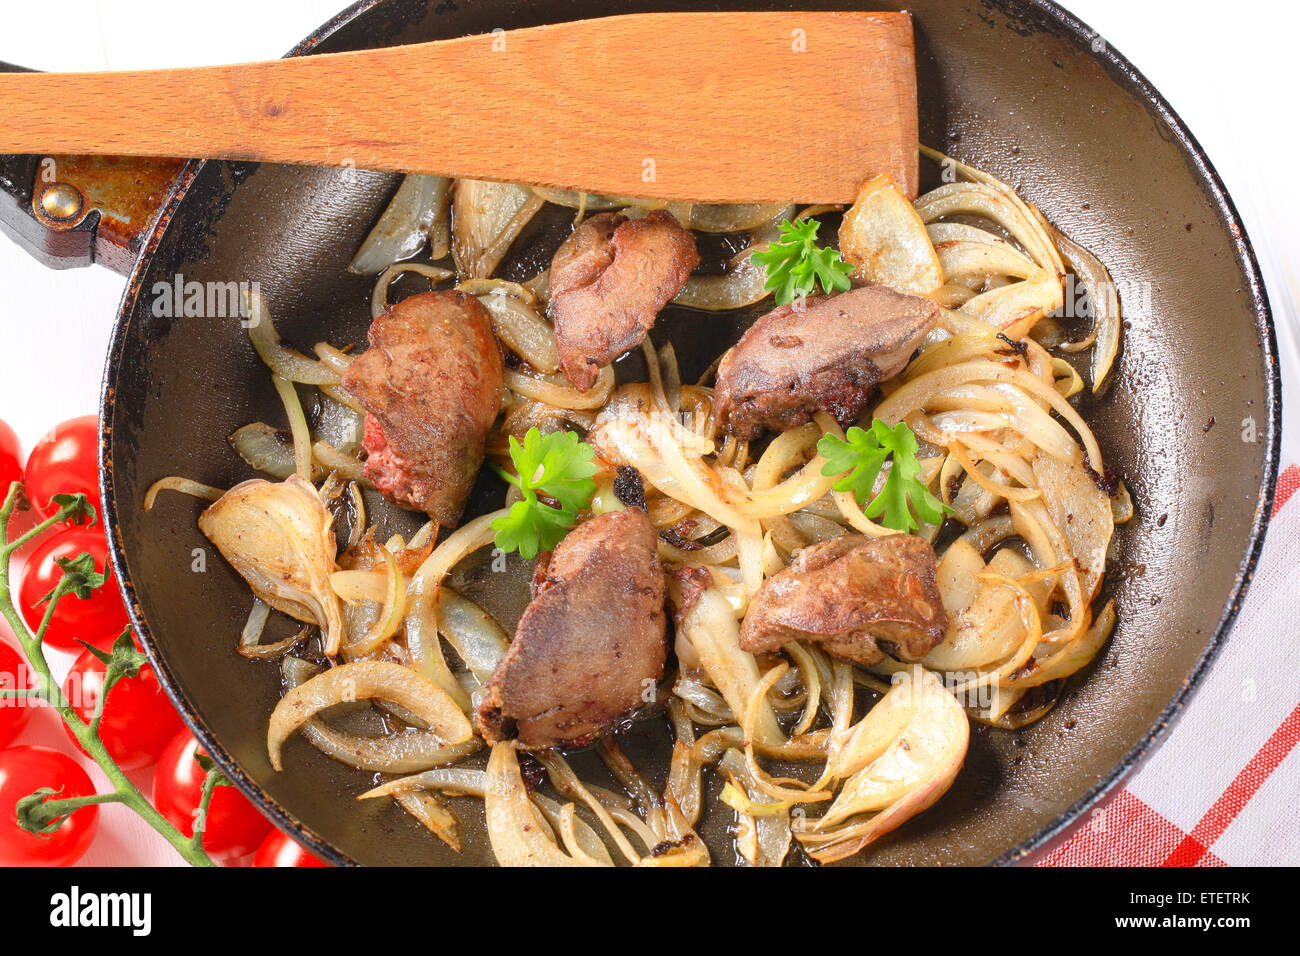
<point>1287,484</point>
<point>1128,832</point>
<point>1125,832</point>
<point>1191,850</point>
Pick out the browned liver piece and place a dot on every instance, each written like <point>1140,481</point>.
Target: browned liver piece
<point>827,355</point>
<point>431,384</point>
<point>854,596</point>
<point>590,644</point>
<point>608,283</point>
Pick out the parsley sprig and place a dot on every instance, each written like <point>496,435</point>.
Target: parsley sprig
<point>795,264</point>
<point>859,458</point>
<point>558,466</point>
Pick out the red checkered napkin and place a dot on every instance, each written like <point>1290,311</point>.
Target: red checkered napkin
<point>1222,789</point>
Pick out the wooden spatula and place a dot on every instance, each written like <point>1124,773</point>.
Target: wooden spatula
<point>709,107</point>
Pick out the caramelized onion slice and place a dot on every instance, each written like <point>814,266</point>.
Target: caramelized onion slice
<point>1107,325</point>
<point>1079,508</point>
<point>709,633</point>
<point>268,450</point>
<point>517,321</point>
<point>902,756</point>
<point>739,217</point>
<point>289,364</point>
<point>883,237</point>
<point>361,680</point>
<point>417,211</point>
<point>279,537</point>
<point>516,830</point>
<point>487,217</point>
<point>743,284</point>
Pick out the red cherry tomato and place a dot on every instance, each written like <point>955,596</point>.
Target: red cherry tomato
<point>23,771</point>
<point>98,619</point>
<point>234,828</point>
<point>14,673</point>
<point>11,459</point>
<point>278,850</point>
<point>65,461</point>
<point>138,720</point>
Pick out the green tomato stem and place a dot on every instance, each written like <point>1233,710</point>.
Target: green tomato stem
<point>47,689</point>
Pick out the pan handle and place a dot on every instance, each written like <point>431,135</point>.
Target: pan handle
<point>71,211</point>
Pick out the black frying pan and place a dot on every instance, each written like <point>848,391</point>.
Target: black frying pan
<point>1017,87</point>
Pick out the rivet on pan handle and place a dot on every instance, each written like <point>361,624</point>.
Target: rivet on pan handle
<point>72,211</point>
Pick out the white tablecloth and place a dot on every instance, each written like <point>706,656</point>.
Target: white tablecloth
<point>1228,73</point>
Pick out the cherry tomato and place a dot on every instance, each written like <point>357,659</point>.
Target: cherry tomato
<point>278,850</point>
<point>138,720</point>
<point>11,459</point>
<point>234,828</point>
<point>98,619</point>
<point>23,771</point>
<point>14,673</point>
<point>65,461</point>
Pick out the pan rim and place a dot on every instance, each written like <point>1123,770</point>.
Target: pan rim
<point>1128,77</point>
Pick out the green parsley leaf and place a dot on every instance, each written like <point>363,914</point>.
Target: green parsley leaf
<point>860,457</point>
<point>557,466</point>
<point>795,264</point>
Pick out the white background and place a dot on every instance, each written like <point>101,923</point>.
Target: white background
<point>1229,71</point>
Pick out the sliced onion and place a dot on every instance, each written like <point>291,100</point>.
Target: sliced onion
<point>994,199</point>
<point>466,539</point>
<point>345,466</point>
<point>885,240</point>
<point>710,631</point>
<point>407,751</point>
<point>1071,657</point>
<point>435,815</point>
<point>185,486</point>
<point>516,321</point>
<point>476,636</point>
<point>421,630</point>
<point>556,391</point>
<point>453,781</point>
<point>741,217</point>
<point>1107,324</point>
<point>390,614</point>
<point>379,298</point>
<point>1079,508</point>
<point>487,217</point>
<point>591,202</point>
<point>358,586</point>
<point>909,749</point>
<point>279,537</point>
<point>989,628</point>
<point>963,256</point>
<point>742,284</point>
<point>268,450</point>
<point>406,224</point>
<point>517,835</point>
<point>1014,309</point>
<point>285,362</point>
<point>367,679</point>
<point>915,394</point>
<point>769,822</point>
<point>253,628</point>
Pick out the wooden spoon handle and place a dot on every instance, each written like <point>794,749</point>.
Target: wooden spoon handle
<point>751,107</point>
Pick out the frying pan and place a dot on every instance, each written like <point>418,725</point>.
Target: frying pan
<point>1020,88</point>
